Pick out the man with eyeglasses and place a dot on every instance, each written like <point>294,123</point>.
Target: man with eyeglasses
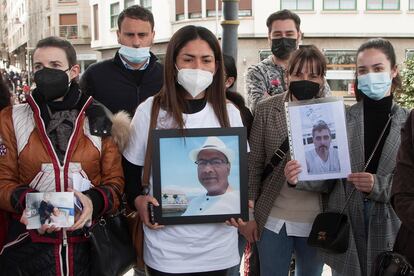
<point>213,162</point>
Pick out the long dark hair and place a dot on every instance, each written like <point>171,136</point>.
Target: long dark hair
<point>172,95</point>
<point>4,93</point>
<point>387,49</point>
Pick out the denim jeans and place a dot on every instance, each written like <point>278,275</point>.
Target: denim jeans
<point>275,253</point>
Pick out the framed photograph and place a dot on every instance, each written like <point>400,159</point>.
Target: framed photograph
<point>51,208</point>
<point>318,138</point>
<point>200,175</point>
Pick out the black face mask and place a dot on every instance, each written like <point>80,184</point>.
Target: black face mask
<point>52,83</point>
<point>304,89</point>
<point>282,47</point>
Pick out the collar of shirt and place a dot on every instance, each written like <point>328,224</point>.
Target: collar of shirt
<point>127,66</point>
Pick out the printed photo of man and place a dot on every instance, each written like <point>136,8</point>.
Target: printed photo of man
<point>323,158</point>
<point>213,162</point>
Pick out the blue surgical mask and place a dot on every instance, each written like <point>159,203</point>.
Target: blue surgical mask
<point>135,55</point>
<point>375,85</point>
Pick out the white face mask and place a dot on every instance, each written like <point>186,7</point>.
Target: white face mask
<point>194,81</point>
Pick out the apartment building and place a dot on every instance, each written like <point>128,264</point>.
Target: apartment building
<point>24,22</point>
<point>337,27</point>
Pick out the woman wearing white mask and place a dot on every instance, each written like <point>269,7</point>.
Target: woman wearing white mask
<point>374,119</point>
<point>192,97</point>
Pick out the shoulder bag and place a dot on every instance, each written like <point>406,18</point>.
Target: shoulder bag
<point>330,230</point>
<point>112,252</point>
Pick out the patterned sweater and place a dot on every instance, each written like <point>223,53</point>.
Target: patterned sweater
<point>267,77</point>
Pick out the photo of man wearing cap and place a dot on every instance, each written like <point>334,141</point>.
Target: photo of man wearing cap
<point>213,160</point>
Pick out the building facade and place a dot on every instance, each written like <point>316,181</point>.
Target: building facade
<point>337,27</point>
<point>27,21</point>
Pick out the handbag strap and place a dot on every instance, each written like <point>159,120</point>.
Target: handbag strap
<point>369,159</point>
<point>148,154</point>
<point>278,156</point>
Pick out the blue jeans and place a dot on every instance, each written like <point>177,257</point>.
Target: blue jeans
<point>275,253</point>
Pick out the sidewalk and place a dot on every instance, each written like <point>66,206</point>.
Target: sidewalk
<point>326,272</point>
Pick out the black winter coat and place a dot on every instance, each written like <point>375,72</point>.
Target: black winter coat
<point>118,88</point>
<point>403,191</point>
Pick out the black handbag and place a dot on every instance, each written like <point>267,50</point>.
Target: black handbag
<point>330,230</point>
<point>390,263</point>
<point>112,250</point>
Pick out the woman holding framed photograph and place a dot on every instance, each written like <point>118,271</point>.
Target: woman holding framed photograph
<point>193,96</point>
<point>281,225</point>
<point>374,124</point>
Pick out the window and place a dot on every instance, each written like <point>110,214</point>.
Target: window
<point>194,9</point>
<point>211,8</point>
<point>212,13</point>
<point>95,22</point>
<point>411,5</point>
<point>339,5</point>
<point>245,13</point>
<point>245,8</point>
<point>383,4</point>
<point>146,4</point>
<point>409,54</point>
<point>304,5</point>
<point>114,14</point>
<point>128,3</point>
<point>179,10</point>
<point>341,71</point>
<point>68,26</point>
<point>193,15</point>
<point>340,59</point>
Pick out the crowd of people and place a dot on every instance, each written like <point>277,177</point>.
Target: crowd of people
<point>17,83</point>
<point>67,128</point>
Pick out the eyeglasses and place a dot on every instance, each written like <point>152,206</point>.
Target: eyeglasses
<point>216,162</point>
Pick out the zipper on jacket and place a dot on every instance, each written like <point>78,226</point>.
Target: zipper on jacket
<point>65,238</point>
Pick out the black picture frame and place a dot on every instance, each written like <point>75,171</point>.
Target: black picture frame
<point>171,147</point>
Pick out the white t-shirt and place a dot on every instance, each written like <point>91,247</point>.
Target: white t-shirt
<point>317,166</point>
<point>227,203</point>
<point>192,247</point>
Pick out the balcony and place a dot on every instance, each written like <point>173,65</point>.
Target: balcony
<point>67,1</point>
<point>68,31</point>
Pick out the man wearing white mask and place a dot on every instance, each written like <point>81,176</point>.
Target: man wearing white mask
<point>134,74</point>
